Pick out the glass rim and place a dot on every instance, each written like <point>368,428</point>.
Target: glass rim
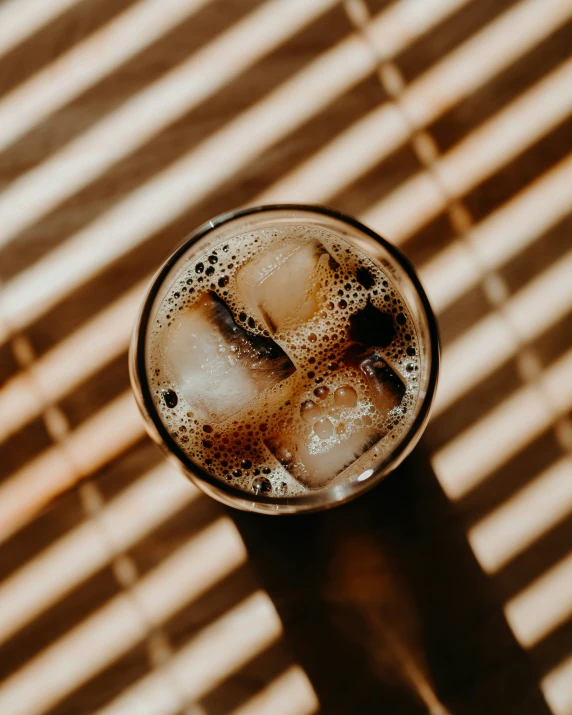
<point>319,499</point>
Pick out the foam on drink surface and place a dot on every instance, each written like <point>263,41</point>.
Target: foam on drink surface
<point>283,360</point>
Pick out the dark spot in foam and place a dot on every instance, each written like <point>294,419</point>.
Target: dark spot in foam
<point>261,485</point>
<point>170,397</point>
<point>333,264</point>
<point>364,277</point>
<point>372,327</point>
<point>268,320</point>
<point>255,348</point>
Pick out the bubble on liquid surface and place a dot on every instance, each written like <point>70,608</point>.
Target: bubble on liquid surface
<point>310,411</point>
<point>262,485</point>
<point>345,396</point>
<point>323,428</point>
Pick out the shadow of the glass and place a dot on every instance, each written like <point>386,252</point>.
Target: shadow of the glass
<point>386,607</point>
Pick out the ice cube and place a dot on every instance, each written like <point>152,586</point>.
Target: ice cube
<point>278,286</point>
<point>219,367</point>
<point>385,385</point>
<point>316,470</point>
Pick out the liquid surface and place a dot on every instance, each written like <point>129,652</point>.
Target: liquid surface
<point>283,360</point>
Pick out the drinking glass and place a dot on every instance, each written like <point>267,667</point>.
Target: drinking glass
<point>366,241</point>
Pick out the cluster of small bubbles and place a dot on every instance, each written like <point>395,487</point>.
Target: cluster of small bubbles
<point>325,400</point>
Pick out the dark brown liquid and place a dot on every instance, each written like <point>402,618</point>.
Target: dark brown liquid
<point>292,358</point>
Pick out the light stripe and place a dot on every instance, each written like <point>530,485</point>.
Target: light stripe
<point>474,454</point>
<point>402,22</point>
<point>344,159</point>
<point>141,117</point>
<point>383,130</point>
<point>186,182</point>
<point>88,62</point>
<point>450,273</point>
<point>120,524</point>
<point>211,656</point>
<point>557,688</point>
<point>486,150</point>
<point>499,44</point>
<point>125,620</point>
<point>291,693</point>
<point>542,606</point>
<point>524,518</point>
<point>543,301</point>
<point>520,222</point>
<point>92,445</point>
<point>534,211</point>
<point>513,130</point>
<point>473,356</point>
<point>49,378</point>
<point>159,201</point>
<point>19,19</point>
<point>479,351</point>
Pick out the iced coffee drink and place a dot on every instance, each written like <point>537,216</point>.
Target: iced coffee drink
<point>286,357</point>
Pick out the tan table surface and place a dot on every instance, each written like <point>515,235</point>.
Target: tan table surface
<point>446,126</point>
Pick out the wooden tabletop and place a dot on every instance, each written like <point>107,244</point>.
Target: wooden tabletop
<point>445,125</point>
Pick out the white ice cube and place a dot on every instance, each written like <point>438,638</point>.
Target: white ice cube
<point>277,285</point>
<point>316,470</point>
<point>217,367</point>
